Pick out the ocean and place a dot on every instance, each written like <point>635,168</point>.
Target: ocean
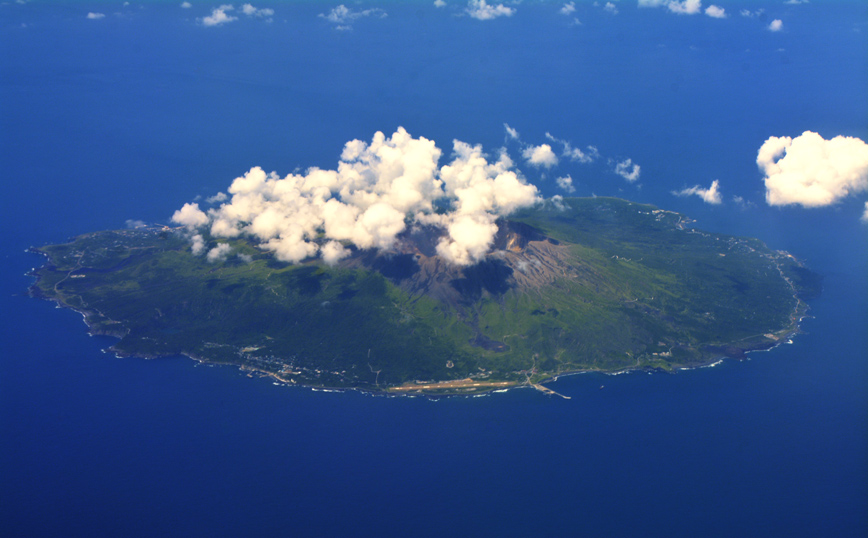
<point>130,115</point>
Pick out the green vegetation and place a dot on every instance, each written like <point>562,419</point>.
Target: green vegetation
<point>601,284</point>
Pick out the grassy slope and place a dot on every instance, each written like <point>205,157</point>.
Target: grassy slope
<point>644,294</point>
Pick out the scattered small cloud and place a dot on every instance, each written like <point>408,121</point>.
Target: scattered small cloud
<point>251,11</point>
<point>813,172</point>
<point>510,132</point>
<point>742,203</point>
<point>541,155</point>
<point>575,154</point>
<point>481,10</point>
<point>610,8</point>
<point>684,7</point>
<point>130,223</point>
<point>186,5</point>
<point>343,17</point>
<point>219,253</point>
<point>219,16</point>
<point>246,258</point>
<point>751,14</point>
<point>796,2</point>
<point>95,16</point>
<point>219,197</point>
<point>557,201</point>
<point>568,9</point>
<point>439,3</point>
<point>710,195</point>
<point>566,183</point>
<point>628,170</point>
<point>776,25</point>
<point>716,12</point>
<point>197,244</point>
<point>865,214</point>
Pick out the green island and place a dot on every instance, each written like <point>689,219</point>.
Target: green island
<point>589,284</point>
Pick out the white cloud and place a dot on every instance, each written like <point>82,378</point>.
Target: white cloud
<point>377,190</point>
<point>219,253</point>
<point>575,154</point>
<point>566,183</point>
<point>95,16</point>
<point>710,195</point>
<point>865,214</point>
<point>186,5</point>
<point>776,25</point>
<point>190,216</point>
<point>716,12</point>
<point>131,223</point>
<point>439,3</point>
<point>751,14</point>
<point>251,11</point>
<point>813,172</point>
<point>541,155</point>
<point>628,170</point>
<point>219,16</point>
<point>342,16</point>
<point>796,2</point>
<point>219,197</point>
<point>568,8</point>
<point>512,133</point>
<point>197,244</point>
<point>684,7</point>
<point>481,10</point>
<point>611,8</point>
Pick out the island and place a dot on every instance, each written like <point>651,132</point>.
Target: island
<point>582,284</point>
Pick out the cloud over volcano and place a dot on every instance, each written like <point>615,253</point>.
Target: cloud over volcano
<point>378,190</point>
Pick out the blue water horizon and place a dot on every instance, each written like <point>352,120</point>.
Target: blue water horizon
<point>132,115</point>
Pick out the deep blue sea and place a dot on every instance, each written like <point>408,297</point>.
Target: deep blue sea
<point>132,114</point>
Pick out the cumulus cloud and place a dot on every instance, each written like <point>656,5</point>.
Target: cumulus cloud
<point>628,170</point>
<point>611,8</point>
<point>568,8</point>
<point>439,3</point>
<point>512,133</point>
<point>566,183</point>
<point>481,10</point>
<point>541,155</point>
<point>710,195</point>
<point>796,2</point>
<point>715,12</point>
<point>219,16</point>
<point>95,16</point>
<point>190,216</point>
<point>186,5</point>
<point>865,214</point>
<point>219,197</point>
<point>343,17</point>
<point>132,223</point>
<point>219,253</point>
<point>776,25</point>
<point>377,190</point>
<point>811,171</point>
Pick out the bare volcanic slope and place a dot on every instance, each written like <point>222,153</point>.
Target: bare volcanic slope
<point>588,284</point>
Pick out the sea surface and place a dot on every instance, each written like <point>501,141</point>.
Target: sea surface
<point>130,115</point>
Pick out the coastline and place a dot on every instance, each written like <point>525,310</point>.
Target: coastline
<point>715,353</point>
